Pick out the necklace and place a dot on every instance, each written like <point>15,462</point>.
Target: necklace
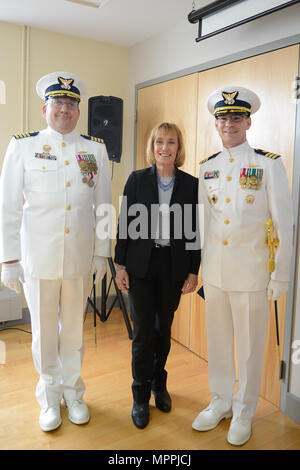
<point>167,186</point>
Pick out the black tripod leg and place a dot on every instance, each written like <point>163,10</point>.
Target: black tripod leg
<point>120,298</point>
<point>103,299</point>
<point>95,309</point>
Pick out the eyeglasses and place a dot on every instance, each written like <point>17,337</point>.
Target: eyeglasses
<point>71,105</point>
<point>234,119</point>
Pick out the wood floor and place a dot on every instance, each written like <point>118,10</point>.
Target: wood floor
<point>107,374</point>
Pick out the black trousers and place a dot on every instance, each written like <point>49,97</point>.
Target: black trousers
<point>153,300</point>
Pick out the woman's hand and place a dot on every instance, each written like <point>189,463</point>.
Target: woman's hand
<point>122,279</point>
<point>190,284</point>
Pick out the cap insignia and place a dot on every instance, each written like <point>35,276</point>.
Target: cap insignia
<point>65,83</point>
<point>229,98</point>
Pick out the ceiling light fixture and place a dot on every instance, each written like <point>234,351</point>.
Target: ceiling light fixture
<point>90,3</point>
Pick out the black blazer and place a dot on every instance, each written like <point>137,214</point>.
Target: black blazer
<point>141,187</point>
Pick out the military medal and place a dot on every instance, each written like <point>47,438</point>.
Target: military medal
<point>213,199</point>
<point>45,155</point>
<point>211,174</point>
<point>88,167</point>
<point>251,178</point>
<point>250,199</point>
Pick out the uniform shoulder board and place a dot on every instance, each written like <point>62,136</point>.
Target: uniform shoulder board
<point>25,134</point>
<point>94,139</point>
<point>267,154</point>
<point>209,158</point>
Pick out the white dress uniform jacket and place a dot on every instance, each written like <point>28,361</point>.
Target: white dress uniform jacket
<point>235,254</point>
<point>53,233</point>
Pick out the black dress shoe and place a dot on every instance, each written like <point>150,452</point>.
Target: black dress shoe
<point>140,414</point>
<point>163,401</point>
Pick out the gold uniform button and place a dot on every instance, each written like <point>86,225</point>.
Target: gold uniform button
<point>68,208</point>
<point>67,230</point>
<point>63,144</point>
<point>225,242</point>
<point>231,159</point>
<point>226,221</point>
<point>66,162</point>
<point>227,199</point>
<point>68,184</point>
<point>229,178</point>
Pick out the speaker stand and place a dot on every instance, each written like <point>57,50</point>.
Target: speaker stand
<point>103,315</point>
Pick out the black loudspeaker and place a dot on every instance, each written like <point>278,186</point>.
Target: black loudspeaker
<point>105,120</point>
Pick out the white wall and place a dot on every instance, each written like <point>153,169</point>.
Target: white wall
<point>176,50</point>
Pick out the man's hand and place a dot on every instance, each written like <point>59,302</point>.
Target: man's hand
<point>11,275</point>
<point>276,288</point>
<point>99,267</point>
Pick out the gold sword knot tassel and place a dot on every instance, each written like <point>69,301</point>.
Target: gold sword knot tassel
<point>272,243</point>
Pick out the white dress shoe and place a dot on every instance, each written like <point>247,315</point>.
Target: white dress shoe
<point>78,411</point>
<point>209,418</point>
<point>50,418</point>
<point>239,431</point>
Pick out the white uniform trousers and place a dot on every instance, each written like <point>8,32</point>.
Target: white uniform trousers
<point>56,310</point>
<point>240,317</point>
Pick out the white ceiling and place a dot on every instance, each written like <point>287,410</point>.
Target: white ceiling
<point>122,22</point>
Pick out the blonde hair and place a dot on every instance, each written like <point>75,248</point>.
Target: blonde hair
<point>166,128</point>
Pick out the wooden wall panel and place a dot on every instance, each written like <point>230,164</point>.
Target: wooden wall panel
<point>172,101</point>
